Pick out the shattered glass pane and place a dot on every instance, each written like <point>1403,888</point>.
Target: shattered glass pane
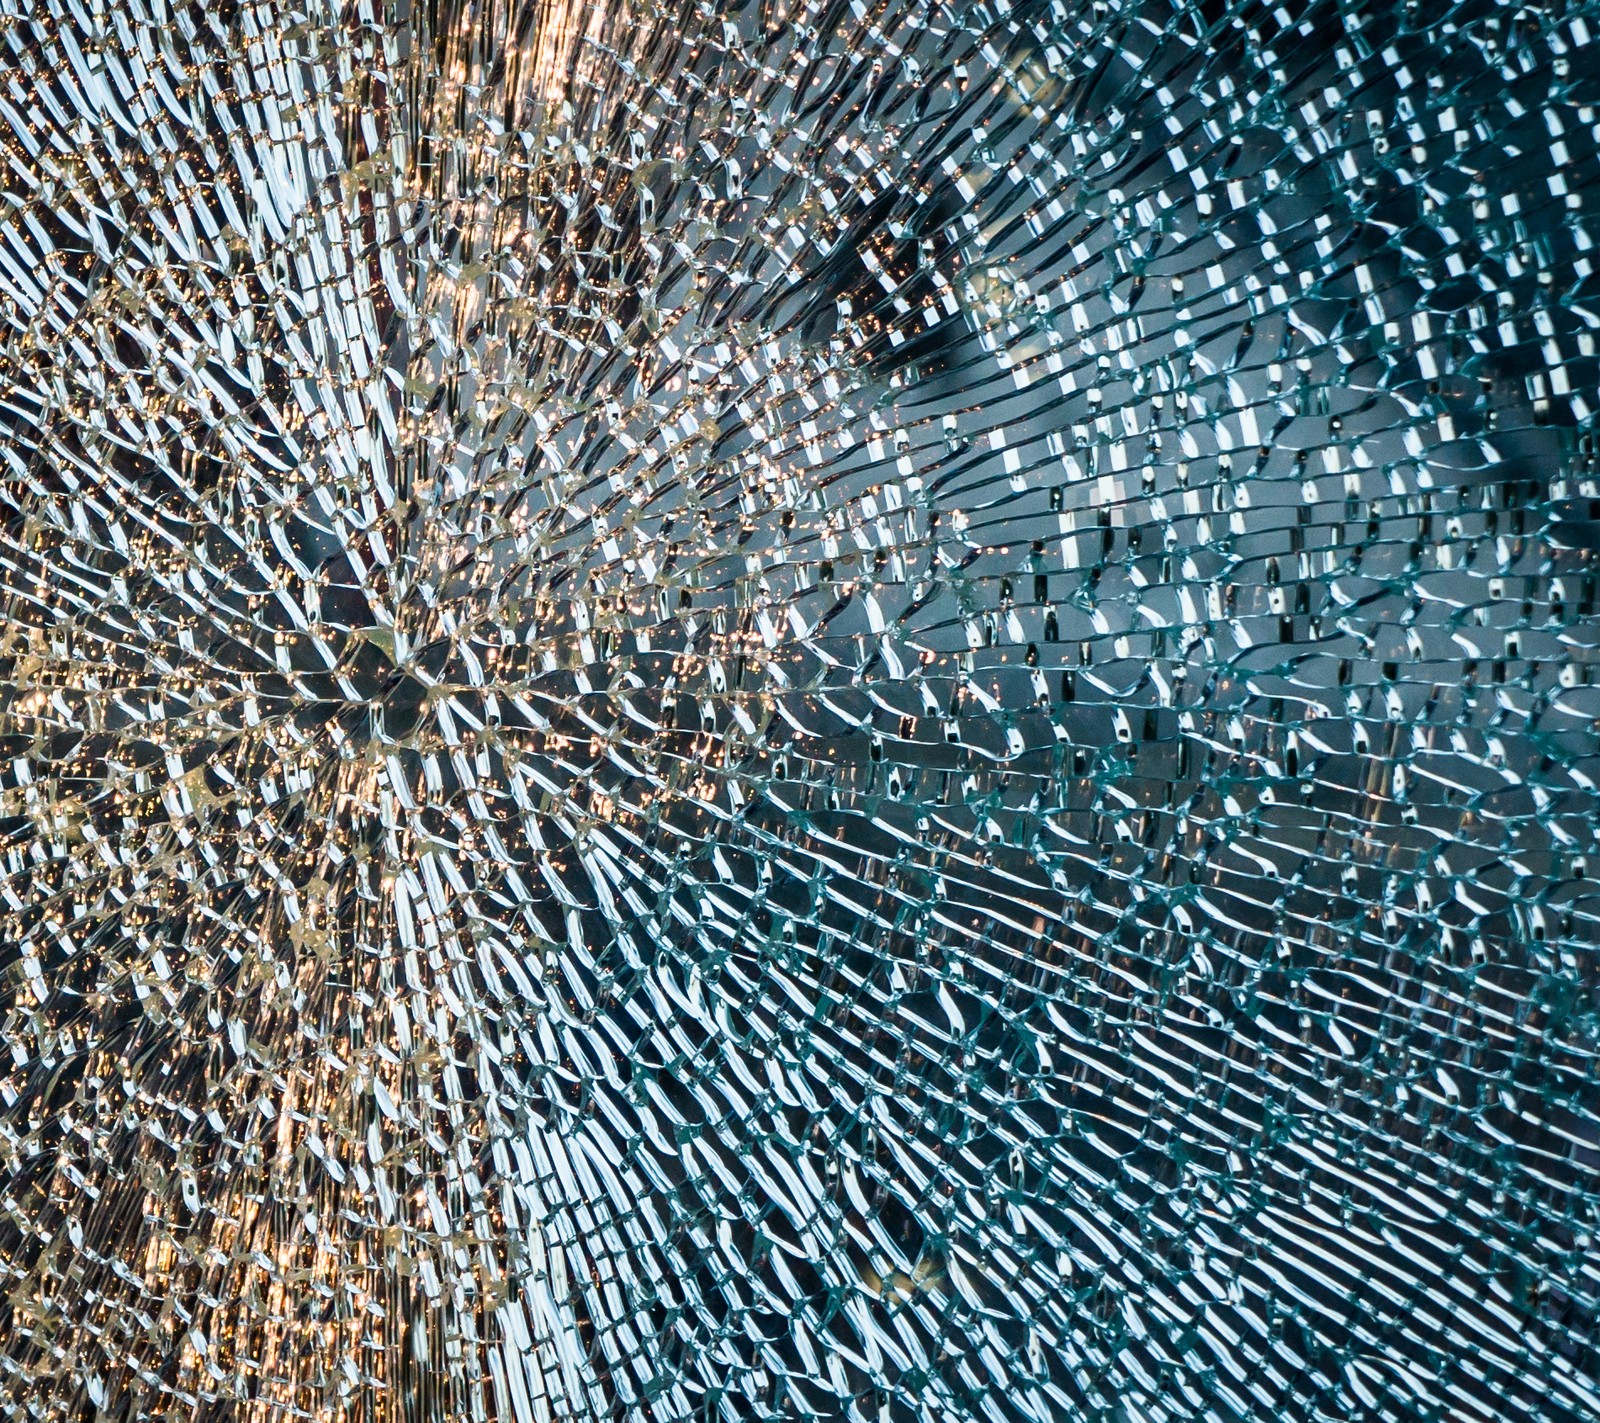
<point>852,709</point>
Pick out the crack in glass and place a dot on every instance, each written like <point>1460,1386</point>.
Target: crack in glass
<point>851,709</point>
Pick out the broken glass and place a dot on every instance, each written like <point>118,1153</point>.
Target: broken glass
<point>852,709</point>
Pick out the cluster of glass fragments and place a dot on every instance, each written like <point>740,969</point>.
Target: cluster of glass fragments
<point>870,710</point>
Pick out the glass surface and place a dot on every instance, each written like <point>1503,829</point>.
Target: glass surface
<point>848,710</point>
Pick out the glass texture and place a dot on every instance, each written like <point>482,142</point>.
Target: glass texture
<point>867,710</point>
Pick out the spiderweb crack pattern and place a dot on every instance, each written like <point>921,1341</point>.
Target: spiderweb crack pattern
<point>850,709</point>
